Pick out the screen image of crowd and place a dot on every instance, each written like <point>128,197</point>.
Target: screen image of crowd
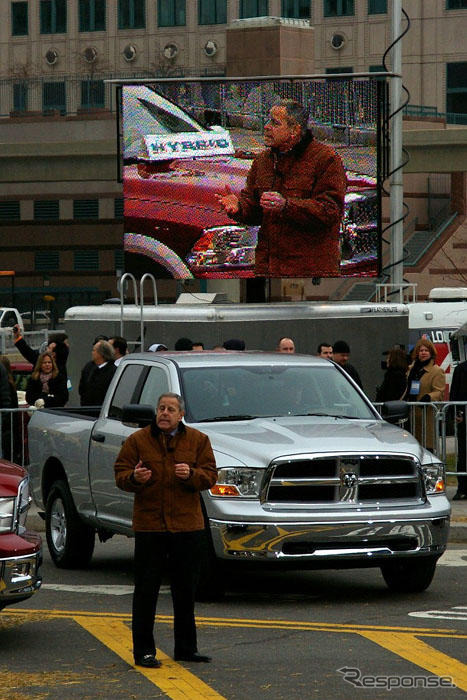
<point>185,143</point>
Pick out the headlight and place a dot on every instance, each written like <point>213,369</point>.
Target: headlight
<point>23,500</point>
<point>7,509</point>
<point>434,475</point>
<point>235,481</point>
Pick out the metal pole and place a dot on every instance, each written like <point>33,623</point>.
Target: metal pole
<point>396,184</point>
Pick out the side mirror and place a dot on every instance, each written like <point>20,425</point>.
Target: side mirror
<point>395,411</point>
<point>139,415</point>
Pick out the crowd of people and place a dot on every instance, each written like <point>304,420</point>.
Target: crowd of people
<point>413,377</point>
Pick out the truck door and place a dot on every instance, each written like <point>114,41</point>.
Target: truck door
<point>138,384</point>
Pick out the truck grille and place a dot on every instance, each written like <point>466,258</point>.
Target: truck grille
<point>351,479</point>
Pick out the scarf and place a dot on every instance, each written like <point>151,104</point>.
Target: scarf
<point>45,379</point>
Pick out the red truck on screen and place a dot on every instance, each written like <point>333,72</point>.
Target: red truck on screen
<point>173,218</point>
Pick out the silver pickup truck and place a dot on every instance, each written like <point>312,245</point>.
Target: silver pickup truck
<point>310,475</point>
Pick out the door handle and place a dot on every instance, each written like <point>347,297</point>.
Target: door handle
<point>98,437</point>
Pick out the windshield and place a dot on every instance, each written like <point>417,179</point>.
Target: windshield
<point>146,113</point>
<point>242,393</point>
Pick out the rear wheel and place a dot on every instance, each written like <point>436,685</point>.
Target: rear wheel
<point>409,576</point>
<point>70,540</point>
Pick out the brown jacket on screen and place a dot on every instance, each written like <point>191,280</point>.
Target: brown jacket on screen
<point>303,239</point>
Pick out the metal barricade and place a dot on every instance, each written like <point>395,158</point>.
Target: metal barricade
<point>14,434</point>
<point>435,426</point>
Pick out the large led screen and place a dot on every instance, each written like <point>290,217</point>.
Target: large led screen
<point>188,144</point>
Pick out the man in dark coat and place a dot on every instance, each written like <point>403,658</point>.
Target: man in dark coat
<point>295,190</point>
<point>96,382</point>
<point>459,393</point>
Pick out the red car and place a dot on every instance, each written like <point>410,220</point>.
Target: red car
<point>20,549</point>
<point>172,216</point>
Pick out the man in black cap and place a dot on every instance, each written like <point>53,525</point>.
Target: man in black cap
<point>234,344</point>
<point>340,355</point>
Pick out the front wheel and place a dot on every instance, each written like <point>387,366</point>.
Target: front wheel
<point>409,576</point>
<point>70,540</point>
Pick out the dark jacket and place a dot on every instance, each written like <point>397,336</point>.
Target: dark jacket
<point>5,400</point>
<point>97,382</point>
<point>458,390</point>
<point>31,355</point>
<point>303,239</point>
<point>394,385</point>
<point>57,394</point>
<point>165,502</point>
<point>352,372</point>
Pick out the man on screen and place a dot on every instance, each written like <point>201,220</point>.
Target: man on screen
<point>295,190</point>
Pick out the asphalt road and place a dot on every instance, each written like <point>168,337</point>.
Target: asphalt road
<point>326,634</point>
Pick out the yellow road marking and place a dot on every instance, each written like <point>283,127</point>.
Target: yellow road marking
<point>252,622</point>
<point>111,630</point>
<point>172,678</point>
<point>421,654</point>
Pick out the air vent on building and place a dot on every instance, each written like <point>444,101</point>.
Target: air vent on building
<point>210,48</point>
<point>90,54</point>
<point>51,57</point>
<point>170,51</point>
<point>129,53</point>
<point>337,41</point>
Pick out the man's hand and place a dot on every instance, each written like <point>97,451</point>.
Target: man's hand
<point>141,474</point>
<point>16,332</point>
<point>272,201</point>
<point>182,470</point>
<point>228,201</point>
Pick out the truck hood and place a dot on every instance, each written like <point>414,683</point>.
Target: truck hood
<point>261,440</point>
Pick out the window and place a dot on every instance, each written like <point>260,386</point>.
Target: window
<point>155,385</point>
<point>19,18</point>
<point>9,210</point>
<point>54,97</point>
<point>171,13</point>
<point>456,4</point>
<point>118,207</point>
<point>92,94</point>
<point>253,8</point>
<point>338,8</point>
<point>20,97</point>
<point>91,15</point>
<point>119,260</point>
<point>131,14</point>
<point>46,260</point>
<point>212,11</point>
<point>342,69</point>
<point>53,16</point>
<point>84,260</point>
<point>45,209</point>
<point>127,389</point>
<point>298,9</point>
<point>377,69</point>
<point>85,208</point>
<point>456,88</point>
<point>377,7</point>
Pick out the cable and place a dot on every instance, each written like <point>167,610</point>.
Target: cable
<point>387,268</point>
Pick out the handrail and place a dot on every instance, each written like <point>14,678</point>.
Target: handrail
<point>126,276</point>
<point>146,276</point>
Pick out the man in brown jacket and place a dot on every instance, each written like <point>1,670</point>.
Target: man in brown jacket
<point>166,465</point>
<point>295,190</point>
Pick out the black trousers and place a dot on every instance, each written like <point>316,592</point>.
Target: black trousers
<point>178,554</point>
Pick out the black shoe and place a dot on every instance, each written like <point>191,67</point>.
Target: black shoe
<point>197,658</point>
<point>148,661</point>
<point>459,496</point>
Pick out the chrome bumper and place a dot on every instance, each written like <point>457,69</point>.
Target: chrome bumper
<point>324,542</point>
<point>19,577</point>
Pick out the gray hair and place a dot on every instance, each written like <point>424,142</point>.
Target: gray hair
<point>171,395</point>
<point>296,113</point>
<point>105,349</point>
